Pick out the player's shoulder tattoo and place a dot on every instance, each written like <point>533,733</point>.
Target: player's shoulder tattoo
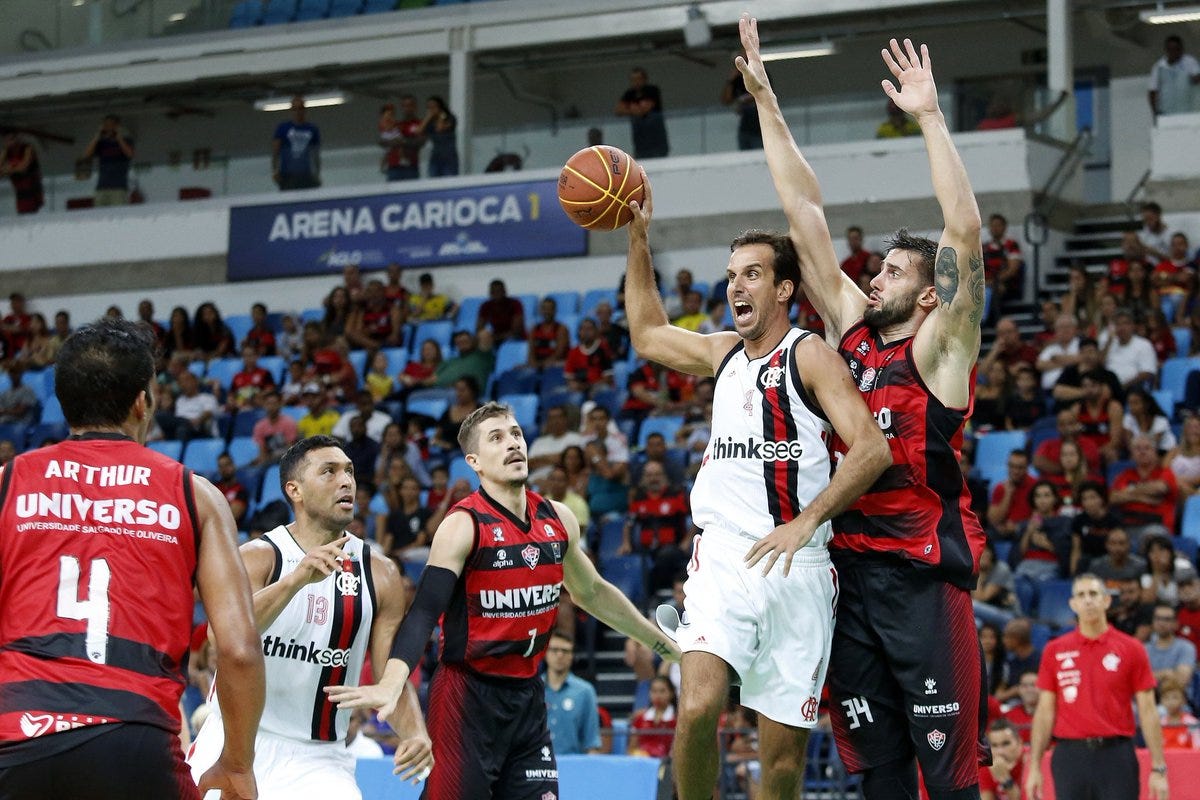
<point>945,274</point>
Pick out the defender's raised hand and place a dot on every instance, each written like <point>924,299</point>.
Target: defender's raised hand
<point>917,94</point>
<point>754,72</point>
<point>640,224</point>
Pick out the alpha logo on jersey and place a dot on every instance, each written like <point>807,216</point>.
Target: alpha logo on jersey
<point>531,554</point>
<point>276,647</point>
<point>347,584</point>
<point>771,377</point>
<point>522,601</point>
<point>502,560</point>
<point>760,449</point>
<point>936,739</point>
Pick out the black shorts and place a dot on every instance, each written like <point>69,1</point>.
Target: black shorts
<point>906,673</point>
<point>116,762</point>
<point>490,738</point>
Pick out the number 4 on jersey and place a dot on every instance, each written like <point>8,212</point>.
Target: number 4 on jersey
<point>94,609</point>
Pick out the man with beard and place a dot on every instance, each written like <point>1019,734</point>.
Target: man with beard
<point>907,551</point>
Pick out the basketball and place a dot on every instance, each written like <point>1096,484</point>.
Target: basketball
<point>596,185</point>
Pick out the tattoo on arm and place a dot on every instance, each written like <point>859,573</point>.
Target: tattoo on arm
<point>660,648</point>
<point>975,286</point>
<point>945,275</point>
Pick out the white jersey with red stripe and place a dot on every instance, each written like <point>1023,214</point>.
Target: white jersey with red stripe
<point>767,456</point>
<point>319,639</point>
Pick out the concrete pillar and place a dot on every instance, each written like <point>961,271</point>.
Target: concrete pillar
<point>462,92</point>
<point>1060,67</point>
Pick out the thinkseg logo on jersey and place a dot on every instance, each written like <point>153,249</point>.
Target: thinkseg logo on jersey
<point>760,449</point>
<point>276,647</point>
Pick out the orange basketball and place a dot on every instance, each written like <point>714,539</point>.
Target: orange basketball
<point>596,185</point>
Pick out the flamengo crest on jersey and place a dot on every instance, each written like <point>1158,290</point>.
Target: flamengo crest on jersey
<point>319,639</point>
<point>767,457</point>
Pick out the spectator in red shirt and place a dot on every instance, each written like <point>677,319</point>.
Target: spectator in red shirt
<point>1101,418</point>
<point>16,322</point>
<point>504,315</point>
<point>1145,495</point>
<point>1118,268</point>
<point>1189,609</point>
<point>260,334</point>
<point>657,524</point>
<point>376,322</point>
<point>250,382</point>
<point>1046,458</point>
<point>146,318</point>
<point>854,264</point>
<point>1009,505</point>
<point>232,488</point>
<point>324,364</point>
<point>655,389</point>
<point>652,729</point>
<point>1003,779</point>
<point>1009,348</point>
<point>1003,266</point>
<point>589,364</point>
<point>549,339</point>
<point>1175,274</point>
<point>402,139</point>
<point>1020,715</point>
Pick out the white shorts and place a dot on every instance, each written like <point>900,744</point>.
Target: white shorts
<point>285,769</point>
<point>774,632</point>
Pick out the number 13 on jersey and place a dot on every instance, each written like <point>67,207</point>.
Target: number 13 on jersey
<point>94,609</point>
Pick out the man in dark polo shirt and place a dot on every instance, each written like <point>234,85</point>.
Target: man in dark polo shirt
<point>1087,682</point>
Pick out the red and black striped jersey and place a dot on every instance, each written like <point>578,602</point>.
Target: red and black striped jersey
<point>506,601</point>
<point>98,546</point>
<point>377,322</point>
<point>920,507</point>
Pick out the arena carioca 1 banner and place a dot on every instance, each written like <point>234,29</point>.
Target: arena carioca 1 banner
<point>500,222</point>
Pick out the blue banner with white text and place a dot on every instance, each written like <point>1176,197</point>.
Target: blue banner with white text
<point>467,225</point>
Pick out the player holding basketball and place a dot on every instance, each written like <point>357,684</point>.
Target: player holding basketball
<point>763,491</point>
<point>905,670</point>
<point>496,567</point>
<point>322,602</point>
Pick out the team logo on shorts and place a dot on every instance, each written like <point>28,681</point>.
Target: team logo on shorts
<point>531,554</point>
<point>867,382</point>
<point>347,583</point>
<point>809,709</point>
<point>930,686</point>
<point>546,757</point>
<point>936,739</point>
<point>549,796</point>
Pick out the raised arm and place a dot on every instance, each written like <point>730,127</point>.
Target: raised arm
<point>836,297</point>
<point>652,334</point>
<point>947,344</point>
<point>225,591</point>
<point>601,599</point>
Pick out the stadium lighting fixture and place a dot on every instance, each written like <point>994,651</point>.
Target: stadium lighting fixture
<point>696,31</point>
<point>314,100</point>
<point>785,51</point>
<point>178,17</point>
<point>1166,16</point>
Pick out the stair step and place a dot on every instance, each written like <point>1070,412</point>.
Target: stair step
<point>610,676</point>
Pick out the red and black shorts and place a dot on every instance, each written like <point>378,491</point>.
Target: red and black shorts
<point>906,673</point>
<point>110,762</point>
<point>490,738</point>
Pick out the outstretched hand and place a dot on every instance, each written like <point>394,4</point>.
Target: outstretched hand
<point>783,542</point>
<point>377,696</point>
<point>640,224</point>
<point>917,94</point>
<point>754,72</point>
<point>233,784</point>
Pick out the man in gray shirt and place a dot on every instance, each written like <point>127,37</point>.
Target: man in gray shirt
<point>1170,655</point>
<point>1118,564</point>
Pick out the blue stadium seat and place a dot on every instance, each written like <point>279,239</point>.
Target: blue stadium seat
<point>595,297</point>
<point>521,380</point>
<point>468,312</point>
<point>570,321</point>
<point>52,413</point>
<point>459,468</point>
<point>358,360</point>
<point>37,381</point>
<point>223,370</point>
<point>239,325</point>
<point>5,382</point>
<point>47,387</point>
<point>510,355</point>
<point>608,398</point>
<point>611,534</point>
<point>312,9</point>
<point>397,358</point>
<point>1189,527</point>
<point>278,11</point>
<point>377,6</point>
<point>620,374</point>
<point>627,573</point>
<point>276,365</point>
<point>1165,401</point>
<point>344,8</point>
<point>1040,634</point>
<point>200,455</point>
<point>1183,340</point>
<point>1053,606</point>
<point>529,302</point>
<point>295,412</point>
<point>198,368</point>
<point>15,432</point>
<point>568,303</point>
<point>244,420</point>
<point>551,379</point>
<point>667,426</point>
<point>246,14</point>
<point>171,448</point>
<point>1187,547</point>
<point>1172,376</point>
<point>271,490</point>
<point>1042,429</point>
<point>991,452</point>
<point>525,410</point>
<point>440,331</point>
<point>432,407</point>
<point>243,450</point>
<point>1027,597</point>
<point>311,315</point>
<point>1114,469</point>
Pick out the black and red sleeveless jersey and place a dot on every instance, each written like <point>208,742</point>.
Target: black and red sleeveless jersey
<point>98,544</point>
<point>1094,424</point>
<point>543,338</point>
<point>920,507</point>
<point>506,601</point>
<point>377,322</point>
